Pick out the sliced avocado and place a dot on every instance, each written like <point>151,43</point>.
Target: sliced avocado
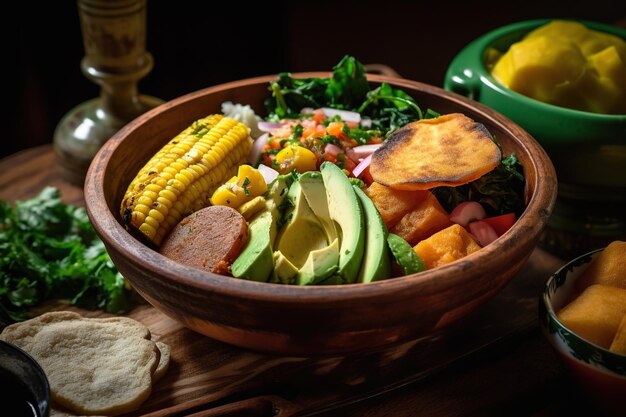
<point>313,188</point>
<point>256,261</point>
<point>303,232</point>
<point>346,212</point>
<point>405,256</point>
<point>319,265</point>
<point>375,265</point>
<point>284,271</point>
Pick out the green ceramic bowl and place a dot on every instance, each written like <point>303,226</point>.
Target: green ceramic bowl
<point>599,373</point>
<point>587,149</point>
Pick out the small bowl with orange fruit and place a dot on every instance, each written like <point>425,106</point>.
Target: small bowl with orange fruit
<point>583,315</point>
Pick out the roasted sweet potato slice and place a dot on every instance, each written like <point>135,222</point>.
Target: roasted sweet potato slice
<point>449,150</point>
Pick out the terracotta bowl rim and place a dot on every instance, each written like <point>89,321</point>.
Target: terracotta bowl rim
<point>487,259</point>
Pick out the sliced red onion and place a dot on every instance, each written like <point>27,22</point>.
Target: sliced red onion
<point>362,151</point>
<point>332,149</point>
<point>352,155</point>
<point>358,170</point>
<point>346,116</point>
<point>269,126</point>
<point>257,148</point>
<point>467,212</point>
<point>366,122</point>
<point>269,174</point>
<point>483,232</point>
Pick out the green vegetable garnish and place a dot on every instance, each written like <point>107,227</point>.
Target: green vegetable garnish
<point>245,185</point>
<point>49,250</point>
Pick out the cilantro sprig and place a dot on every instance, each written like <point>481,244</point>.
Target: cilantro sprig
<point>50,250</point>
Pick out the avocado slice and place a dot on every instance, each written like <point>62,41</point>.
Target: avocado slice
<point>256,261</point>
<point>375,265</point>
<point>405,256</point>
<point>313,188</point>
<point>346,212</point>
<point>319,265</point>
<point>284,271</point>
<point>303,254</point>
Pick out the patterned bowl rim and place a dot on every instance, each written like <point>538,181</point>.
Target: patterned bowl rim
<point>581,349</point>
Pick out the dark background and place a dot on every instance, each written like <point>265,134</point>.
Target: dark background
<point>199,44</point>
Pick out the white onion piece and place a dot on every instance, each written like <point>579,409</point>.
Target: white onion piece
<point>269,126</point>
<point>366,122</point>
<point>257,148</point>
<point>483,232</point>
<point>269,174</point>
<point>332,149</point>
<point>467,212</point>
<point>358,170</point>
<point>307,110</point>
<point>362,151</point>
<point>346,116</point>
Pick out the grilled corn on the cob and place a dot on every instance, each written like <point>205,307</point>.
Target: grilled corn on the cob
<point>181,177</point>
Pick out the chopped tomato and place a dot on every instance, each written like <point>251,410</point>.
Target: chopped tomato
<point>366,177</point>
<point>501,223</point>
<point>329,157</point>
<point>348,164</point>
<point>319,116</point>
<point>335,129</point>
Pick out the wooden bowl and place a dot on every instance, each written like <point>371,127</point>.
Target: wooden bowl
<point>320,320</point>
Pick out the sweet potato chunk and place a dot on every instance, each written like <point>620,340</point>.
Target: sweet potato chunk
<point>595,314</point>
<point>618,345</point>
<point>392,204</point>
<point>448,245</point>
<point>606,268</point>
<point>426,218</point>
<point>449,150</point>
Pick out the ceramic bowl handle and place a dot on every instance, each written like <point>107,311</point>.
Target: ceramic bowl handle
<point>463,81</point>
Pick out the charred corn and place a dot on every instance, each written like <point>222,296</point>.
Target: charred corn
<point>181,177</point>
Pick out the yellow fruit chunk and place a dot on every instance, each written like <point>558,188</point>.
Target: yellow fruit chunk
<point>448,245</point>
<point>607,268</point>
<point>603,88</point>
<point>247,184</point>
<point>542,68</point>
<point>595,314</point>
<point>566,64</point>
<point>295,157</point>
<point>619,341</point>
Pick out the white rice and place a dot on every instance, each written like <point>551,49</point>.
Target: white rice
<point>243,114</point>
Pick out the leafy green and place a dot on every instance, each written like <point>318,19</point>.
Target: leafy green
<point>499,191</point>
<point>290,95</point>
<point>348,85</point>
<point>48,250</point>
<point>347,89</point>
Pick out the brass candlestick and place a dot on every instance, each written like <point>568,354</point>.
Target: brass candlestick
<point>114,37</point>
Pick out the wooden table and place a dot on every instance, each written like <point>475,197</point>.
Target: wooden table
<point>493,363</point>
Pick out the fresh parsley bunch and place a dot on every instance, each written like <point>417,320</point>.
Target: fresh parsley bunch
<point>48,250</point>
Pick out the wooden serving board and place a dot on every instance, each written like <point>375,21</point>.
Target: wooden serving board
<point>210,378</point>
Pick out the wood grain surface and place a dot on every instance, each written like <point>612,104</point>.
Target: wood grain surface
<point>493,362</point>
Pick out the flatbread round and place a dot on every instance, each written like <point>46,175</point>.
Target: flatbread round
<point>449,150</point>
<point>164,361</point>
<point>94,366</point>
